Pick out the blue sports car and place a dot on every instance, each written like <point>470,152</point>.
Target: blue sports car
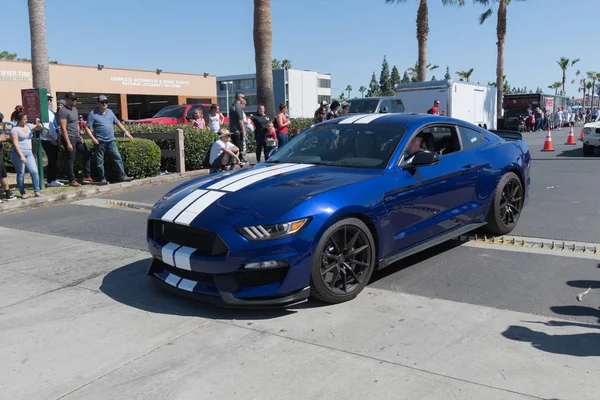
<point>340,200</point>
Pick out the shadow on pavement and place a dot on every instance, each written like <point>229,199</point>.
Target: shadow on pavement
<point>131,286</point>
<point>577,311</point>
<point>574,152</point>
<point>585,283</point>
<point>578,345</point>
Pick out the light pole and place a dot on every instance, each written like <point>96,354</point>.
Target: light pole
<point>227,91</point>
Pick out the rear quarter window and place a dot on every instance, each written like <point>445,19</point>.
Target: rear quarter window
<point>470,138</point>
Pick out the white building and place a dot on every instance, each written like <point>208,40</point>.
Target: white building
<point>302,91</point>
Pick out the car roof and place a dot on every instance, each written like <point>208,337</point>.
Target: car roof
<point>405,119</point>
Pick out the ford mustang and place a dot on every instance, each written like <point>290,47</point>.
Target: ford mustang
<point>340,200</point>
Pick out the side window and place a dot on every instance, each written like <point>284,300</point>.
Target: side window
<point>441,139</point>
<point>398,106</point>
<point>470,138</point>
<point>385,106</point>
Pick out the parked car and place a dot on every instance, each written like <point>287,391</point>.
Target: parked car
<point>177,114</point>
<point>591,137</point>
<point>344,198</point>
<point>375,105</point>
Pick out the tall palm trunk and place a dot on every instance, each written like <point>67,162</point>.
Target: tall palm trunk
<point>501,33</point>
<point>593,92</point>
<point>39,50</point>
<point>422,33</point>
<point>564,79</point>
<point>263,37</point>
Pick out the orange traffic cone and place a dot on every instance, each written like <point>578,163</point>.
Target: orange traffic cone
<point>581,134</point>
<point>548,142</point>
<point>571,138</point>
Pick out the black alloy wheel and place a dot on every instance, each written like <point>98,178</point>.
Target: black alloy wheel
<point>506,205</point>
<point>344,261</point>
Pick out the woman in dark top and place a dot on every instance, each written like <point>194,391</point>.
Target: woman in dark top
<point>260,121</point>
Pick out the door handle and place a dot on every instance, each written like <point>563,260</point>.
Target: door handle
<point>468,166</point>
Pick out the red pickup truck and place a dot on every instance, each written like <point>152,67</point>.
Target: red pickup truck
<point>173,115</point>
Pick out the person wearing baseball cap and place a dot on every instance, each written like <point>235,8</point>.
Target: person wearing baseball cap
<point>223,153</point>
<point>435,109</point>
<point>68,118</point>
<point>102,120</point>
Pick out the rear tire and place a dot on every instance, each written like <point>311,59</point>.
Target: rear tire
<point>588,150</point>
<point>343,262</point>
<point>507,204</point>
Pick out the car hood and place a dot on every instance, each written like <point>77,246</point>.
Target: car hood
<point>257,195</point>
<point>161,120</point>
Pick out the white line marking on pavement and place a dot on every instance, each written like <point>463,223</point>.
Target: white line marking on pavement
<point>182,257</point>
<point>190,213</point>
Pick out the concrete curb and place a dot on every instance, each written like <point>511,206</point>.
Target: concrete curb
<point>93,190</point>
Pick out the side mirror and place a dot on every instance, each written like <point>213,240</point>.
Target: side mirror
<point>422,159</point>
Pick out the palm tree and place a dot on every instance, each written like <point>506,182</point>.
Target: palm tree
<point>349,90</point>
<point>413,72</point>
<point>555,86</point>
<point>275,64</point>
<point>582,83</point>
<point>342,97</point>
<point>39,50</point>
<point>466,75</point>
<point>423,32</point>
<point>362,90</point>
<point>593,76</point>
<point>263,38</point>
<point>563,63</point>
<point>501,34</point>
<point>286,64</point>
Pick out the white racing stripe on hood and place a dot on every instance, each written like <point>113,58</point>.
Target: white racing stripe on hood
<point>370,118</point>
<point>182,205</point>
<point>167,253</point>
<point>190,213</point>
<point>268,174</point>
<point>351,119</point>
<point>242,175</point>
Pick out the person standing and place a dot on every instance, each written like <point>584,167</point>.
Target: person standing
<point>22,153</point>
<point>68,118</point>
<point>198,120</point>
<point>261,121</point>
<point>333,110</point>
<point>3,175</point>
<point>215,118</point>
<point>51,146</point>
<point>281,124</point>
<point>237,124</point>
<point>435,109</point>
<point>102,121</point>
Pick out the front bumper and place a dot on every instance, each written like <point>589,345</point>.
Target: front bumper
<point>591,140</point>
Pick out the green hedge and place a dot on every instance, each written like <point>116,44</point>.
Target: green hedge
<point>141,159</point>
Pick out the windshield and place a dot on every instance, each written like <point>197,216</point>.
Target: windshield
<point>363,106</point>
<point>344,145</point>
<point>170,112</point>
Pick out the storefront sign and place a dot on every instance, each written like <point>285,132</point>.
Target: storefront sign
<point>11,75</point>
<point>35,103</point>
<point>144,82</point>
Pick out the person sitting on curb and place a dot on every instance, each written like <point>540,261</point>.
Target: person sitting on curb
<point>102,121</point>
<point>223,153</point>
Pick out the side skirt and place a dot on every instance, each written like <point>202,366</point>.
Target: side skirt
<point>387,261</point>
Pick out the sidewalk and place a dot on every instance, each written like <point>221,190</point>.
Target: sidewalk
<point>101,329</point>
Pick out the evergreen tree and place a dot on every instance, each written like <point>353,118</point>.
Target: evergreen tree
<point>433,78</point>
<point>405,78</point>
<point>447,76</point>
<point>395,77</point>
<point>385,81</point>
<point>373,87</point>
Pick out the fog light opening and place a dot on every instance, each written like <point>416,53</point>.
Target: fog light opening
<point>265,264</point>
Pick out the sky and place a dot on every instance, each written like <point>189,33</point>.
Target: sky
<point>345,38</point>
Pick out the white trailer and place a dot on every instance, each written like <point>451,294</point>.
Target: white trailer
<point>462,100</point>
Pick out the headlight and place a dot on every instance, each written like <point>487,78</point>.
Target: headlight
<point>274,231</point>
<point>587,131</point>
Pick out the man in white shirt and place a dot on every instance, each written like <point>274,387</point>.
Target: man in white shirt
<point>223,152</point>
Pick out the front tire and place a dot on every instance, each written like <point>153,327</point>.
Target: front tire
<point>588,150</point>
<point>506,205</point>
<point>343,262</point>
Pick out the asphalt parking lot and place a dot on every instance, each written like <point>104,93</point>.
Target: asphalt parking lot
<point>81,320</point>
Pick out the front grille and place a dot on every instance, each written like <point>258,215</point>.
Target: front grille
<point>202,277</point>
<point>205,242</point>
<point>260,277</point>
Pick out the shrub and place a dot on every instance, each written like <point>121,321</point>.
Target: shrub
<point>6,148</point>
<point>300,124</point>
<point>141,159</point>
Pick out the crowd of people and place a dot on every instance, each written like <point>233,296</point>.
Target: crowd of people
<point>64,128</point>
